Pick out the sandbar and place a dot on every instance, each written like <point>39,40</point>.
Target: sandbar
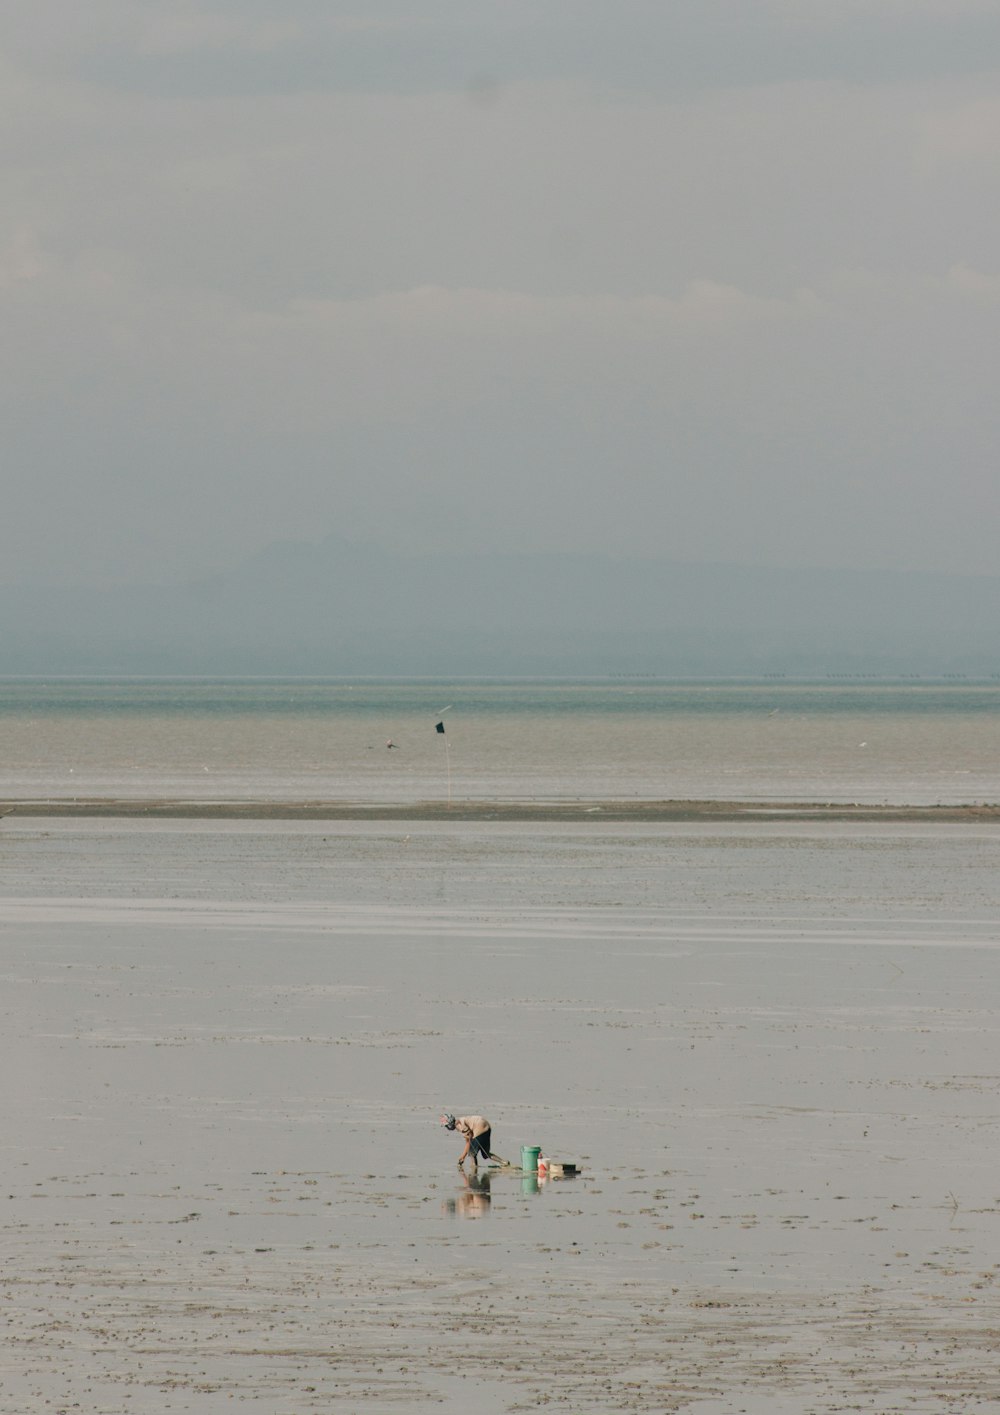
<point>639,811</point>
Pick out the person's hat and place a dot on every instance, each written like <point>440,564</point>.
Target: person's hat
<point>448,1121</point>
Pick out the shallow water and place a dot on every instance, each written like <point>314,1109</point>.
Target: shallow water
<point>914,744</point>
<point>770,1047</point>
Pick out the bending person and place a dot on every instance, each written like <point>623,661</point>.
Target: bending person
<point>477,1132</point>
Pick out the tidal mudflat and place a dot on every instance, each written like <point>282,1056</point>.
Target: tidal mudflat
<point>771,1047</point>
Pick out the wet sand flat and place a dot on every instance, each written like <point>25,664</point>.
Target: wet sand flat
<point>769,1044</point>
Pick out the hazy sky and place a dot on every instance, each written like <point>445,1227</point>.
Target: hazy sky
<point>707,279</point>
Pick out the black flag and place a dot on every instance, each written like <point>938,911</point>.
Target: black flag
<point>440,727</point>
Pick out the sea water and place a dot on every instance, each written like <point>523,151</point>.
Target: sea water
<point>909,743</point>
<point>769,1045</point>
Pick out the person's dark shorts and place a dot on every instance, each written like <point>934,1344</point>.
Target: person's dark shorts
<point>480,1146</point>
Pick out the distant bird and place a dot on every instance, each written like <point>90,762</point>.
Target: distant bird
<point>390,743</point>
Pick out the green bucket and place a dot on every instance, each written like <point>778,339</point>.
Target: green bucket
<point>529,1158</point>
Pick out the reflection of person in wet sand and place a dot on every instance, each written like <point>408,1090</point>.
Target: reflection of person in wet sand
<point>475,1203</point>
<point>477,1132</point>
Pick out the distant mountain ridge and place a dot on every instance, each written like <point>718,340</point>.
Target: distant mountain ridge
<point>337,607</point>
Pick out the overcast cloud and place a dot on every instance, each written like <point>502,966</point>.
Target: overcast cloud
<point>703,279</point>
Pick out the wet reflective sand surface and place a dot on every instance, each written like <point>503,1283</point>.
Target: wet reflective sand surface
<point>771,1048</point>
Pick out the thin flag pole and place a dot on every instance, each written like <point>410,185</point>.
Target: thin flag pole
<point>447,753</point>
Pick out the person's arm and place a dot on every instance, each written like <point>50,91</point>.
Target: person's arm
<point>466,1131</point>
